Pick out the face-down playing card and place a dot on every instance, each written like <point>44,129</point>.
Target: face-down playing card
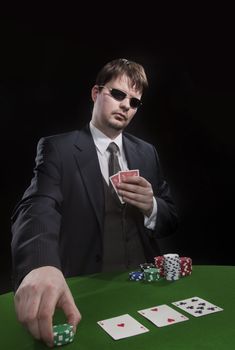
<point>127,173</point>
<point>163,315</point>
<point>119,177</point>
<point>115,179</point>
<point>122,326</point>
<point>197,306</point>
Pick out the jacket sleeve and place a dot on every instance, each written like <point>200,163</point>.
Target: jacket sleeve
<point>36,218</point>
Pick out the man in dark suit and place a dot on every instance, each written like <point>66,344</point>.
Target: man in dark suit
<point>70,222</point>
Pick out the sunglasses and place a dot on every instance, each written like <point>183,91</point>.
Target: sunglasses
<point>121,95</point>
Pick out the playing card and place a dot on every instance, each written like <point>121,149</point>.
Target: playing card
<point>197,306</point>
<point>127,173</point>
<point>115,179</point>
<point>163,315</point>
<point>118,177</point>
<point>122,326</point>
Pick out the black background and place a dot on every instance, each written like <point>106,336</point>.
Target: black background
<point>49,61</point>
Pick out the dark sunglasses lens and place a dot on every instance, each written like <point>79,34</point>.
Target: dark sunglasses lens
<point>120,96</point>
<point>135,103</point>
<point>117,94</point>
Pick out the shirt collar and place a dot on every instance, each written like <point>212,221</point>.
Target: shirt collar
<point>102,141</point>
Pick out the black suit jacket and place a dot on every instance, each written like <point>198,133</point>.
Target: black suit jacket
<point>60,219</point>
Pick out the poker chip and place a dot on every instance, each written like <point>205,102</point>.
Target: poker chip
<point>169,266</point>
<point>159,263</point>
<point>172,267</point>
<point>146,266</point>
<point>186,266</point>
<point>184,270</point>
<point>63,334</point>
<point>151,274</point>
<point>136,275</point>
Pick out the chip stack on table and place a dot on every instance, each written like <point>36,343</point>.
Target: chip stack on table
<point>136,275</point>
<point>159,263</point>
<point>63,334</point>
<point>168,266</point>
<point>143,274</point>
<point>185,266</point>
<point>151,274</point>
<point>172,267</point>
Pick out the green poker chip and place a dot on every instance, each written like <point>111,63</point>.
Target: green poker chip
<point>63,334</point>
<point>151,274</point>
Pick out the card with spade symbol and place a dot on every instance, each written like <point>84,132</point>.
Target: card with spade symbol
<point>163,315</point>
<point>122,326</point>
<point>197,306</point>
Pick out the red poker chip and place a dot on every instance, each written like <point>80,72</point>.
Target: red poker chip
<point>185,265</point>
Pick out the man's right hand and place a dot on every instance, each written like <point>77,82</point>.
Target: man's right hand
<point>40,292</point>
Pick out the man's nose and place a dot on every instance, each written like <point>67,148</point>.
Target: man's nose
<point>125,103</point>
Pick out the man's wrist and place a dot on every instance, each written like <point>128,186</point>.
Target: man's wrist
<point>150,221</point>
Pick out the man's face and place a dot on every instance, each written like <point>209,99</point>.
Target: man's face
<point>110,115</point>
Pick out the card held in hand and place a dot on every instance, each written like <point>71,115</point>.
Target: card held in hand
<point>119,177</point>
<point>115,179</point>
<point>127,173</point>
<point>123,326</point>
<point>163,315</point>
<point>197,306</point>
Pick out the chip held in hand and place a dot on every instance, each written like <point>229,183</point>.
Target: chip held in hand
<point>63,334</point>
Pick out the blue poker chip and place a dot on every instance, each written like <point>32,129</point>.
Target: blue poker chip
<point>136,275</point>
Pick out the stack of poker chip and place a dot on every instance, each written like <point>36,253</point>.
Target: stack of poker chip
<point>172,267</point>
<point>151,274</point>
<point>136,275</point>
<point>63,334</point>
<point>148,272</point>
<point>159,263</point>
<point>185,266</point>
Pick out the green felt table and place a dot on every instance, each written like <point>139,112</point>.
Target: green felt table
<point>102,296</point>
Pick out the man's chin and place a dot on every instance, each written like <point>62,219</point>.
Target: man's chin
<point>117,125</point>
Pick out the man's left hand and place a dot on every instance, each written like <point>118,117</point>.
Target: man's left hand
<point>137,191</point>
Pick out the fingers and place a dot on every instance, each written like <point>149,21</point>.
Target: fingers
<point>45,313</point>
<point>67,304</point>
<point>39,294</point>
<point>35,308</point>
<point>47,308</point>
<point>135,184</point>
<point>137,180</point>
<point>26,306</point>
<point>137,191</point>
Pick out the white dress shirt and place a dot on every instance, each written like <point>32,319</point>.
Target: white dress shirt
<point>102,142</point>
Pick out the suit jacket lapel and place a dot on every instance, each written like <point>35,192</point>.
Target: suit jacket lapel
<point>133,155</point>
<point>88,164</point>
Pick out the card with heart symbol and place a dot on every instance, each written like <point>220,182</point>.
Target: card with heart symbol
<point>163,315</point>
<point>122,326</point>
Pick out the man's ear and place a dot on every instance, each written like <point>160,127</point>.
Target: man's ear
<point>94,92</point>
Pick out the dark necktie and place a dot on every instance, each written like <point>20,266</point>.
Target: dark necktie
<point>114,165</point>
